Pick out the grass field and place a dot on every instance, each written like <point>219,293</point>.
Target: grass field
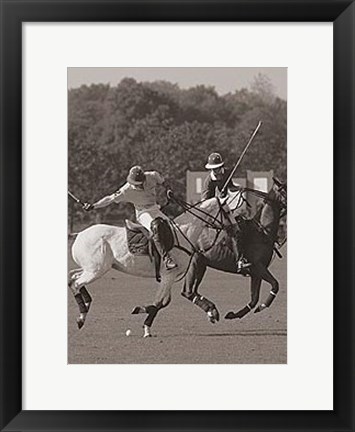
<point>181,332</point>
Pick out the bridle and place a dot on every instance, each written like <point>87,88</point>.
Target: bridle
<point>280,200</point>
<point>203,215</point>
<point>217,224</point>
<point>193,209</point>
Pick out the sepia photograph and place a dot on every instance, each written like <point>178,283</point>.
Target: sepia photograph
<point>154,271</point>
<point>177,215</point>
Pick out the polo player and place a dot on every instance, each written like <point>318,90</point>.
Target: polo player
<point>213,186</point>
<point>140,190</point>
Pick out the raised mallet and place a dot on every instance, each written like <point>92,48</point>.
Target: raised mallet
<point>241,157</point>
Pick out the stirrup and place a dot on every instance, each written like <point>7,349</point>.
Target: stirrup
<point>242,264</point>
<point>170,264</point>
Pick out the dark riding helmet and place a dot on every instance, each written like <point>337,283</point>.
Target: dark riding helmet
<point>214,161</point>
<point>136,176</point>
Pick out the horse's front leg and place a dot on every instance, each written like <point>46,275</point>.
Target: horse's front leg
<point>255,284</point>
<point>192,281</point>
<point>162,299</point>
<point>268,277</point>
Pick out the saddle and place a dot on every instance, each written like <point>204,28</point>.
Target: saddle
<point>140,243</point>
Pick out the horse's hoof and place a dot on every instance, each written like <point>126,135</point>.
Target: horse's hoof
<point>138,310</point>
<point>80,323</point>
<point>213,316</point>
<point>230,315</point>
<point>147,332</point>
<point>211,319</point>
<point>260,308</point>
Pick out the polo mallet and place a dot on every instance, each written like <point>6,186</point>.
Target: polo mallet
<point>72,196</point>
<point>240,158</point>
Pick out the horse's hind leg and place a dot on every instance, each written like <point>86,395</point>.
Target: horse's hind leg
<point>77,284</point>
<point>162,300</point>
<point>86,297</point>
<point>255,293</point>
<point>192,281</point>
<point>268,277</point>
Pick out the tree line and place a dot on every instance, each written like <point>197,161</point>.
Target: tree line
<point>162,127</point>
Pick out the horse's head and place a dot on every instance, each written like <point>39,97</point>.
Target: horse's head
<point>274,208</point>
<point>278,193</point>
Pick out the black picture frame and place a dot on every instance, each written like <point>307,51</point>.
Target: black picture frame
<point>13,14</point>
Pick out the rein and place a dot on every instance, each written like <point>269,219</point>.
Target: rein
<point>177,228</point>
<point>188,209</point>
<point>266,198</point>
<point>259,194</point>
<point>199,214</point>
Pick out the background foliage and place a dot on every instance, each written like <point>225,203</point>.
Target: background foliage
<point>162,127</point>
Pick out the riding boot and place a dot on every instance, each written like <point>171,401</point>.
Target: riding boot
<point>168,261</point>
<point>241,262</point>
<point>160,236</point>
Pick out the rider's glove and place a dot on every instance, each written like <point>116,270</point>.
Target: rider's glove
<point>88,206</point>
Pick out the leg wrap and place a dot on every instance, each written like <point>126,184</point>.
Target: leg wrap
<point>203,303</point>
<point>151,309</point>
<point>240,314</point>
<point>270,299</point>
<point>81,304</point>
<point>86,296</point>
<point>152,313</point>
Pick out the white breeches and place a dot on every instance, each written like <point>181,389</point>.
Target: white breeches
<point>146,216</point>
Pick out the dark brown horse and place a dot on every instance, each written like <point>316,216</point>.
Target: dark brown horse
<point>259,236</point>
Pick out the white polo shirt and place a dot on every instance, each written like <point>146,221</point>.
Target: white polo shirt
<point>141,198</point>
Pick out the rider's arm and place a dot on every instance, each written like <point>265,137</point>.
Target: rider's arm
<point>109,199</point>
<point>230,186</point>
<point>208,188</point>
<point>158,177</point>
<point>160,180</point>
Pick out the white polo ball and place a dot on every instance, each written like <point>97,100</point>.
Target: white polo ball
<point>128,332</point>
